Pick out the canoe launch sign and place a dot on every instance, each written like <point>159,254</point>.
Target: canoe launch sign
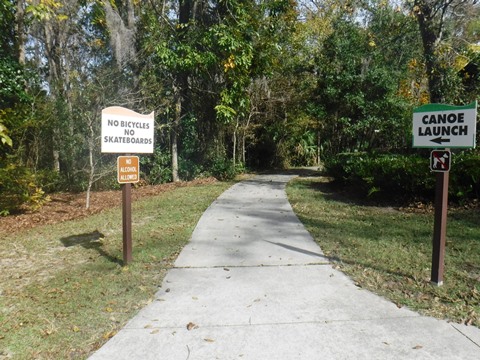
<point>445,126</point>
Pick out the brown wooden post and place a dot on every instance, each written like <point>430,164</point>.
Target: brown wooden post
<point>440,227</point>
<point>127,222</point>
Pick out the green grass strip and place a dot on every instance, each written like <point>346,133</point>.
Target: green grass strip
<point>63,290</point>
<point>388,251</point>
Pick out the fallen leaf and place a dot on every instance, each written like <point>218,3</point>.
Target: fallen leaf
<point>47,332</point>
<point>149,326</point>
<point>209,340</point>
<point>191,326</point>
<point>109,334</point>
<point>156,331</point>
<point>417,347</point>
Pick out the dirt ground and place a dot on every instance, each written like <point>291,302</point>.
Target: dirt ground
<point>68,206</point>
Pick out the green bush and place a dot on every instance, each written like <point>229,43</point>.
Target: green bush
<point>223,169</point>
<point>398,177</point>
<point>404,177</point>
<point>19,189</point>
<point>157,168</point>
<point>189,169</point>
<point>465,176</point>
<point>48,180</point>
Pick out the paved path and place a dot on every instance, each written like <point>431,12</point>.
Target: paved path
<point>252,284</point>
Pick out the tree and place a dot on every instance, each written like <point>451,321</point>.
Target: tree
<point>435,19</point>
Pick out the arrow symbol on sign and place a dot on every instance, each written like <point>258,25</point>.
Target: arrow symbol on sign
<point>440,140</point>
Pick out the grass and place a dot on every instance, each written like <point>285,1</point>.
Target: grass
<point>388,251</point>
<point>63,290</point>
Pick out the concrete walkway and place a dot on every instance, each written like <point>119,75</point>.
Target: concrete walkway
<point>252,284</point>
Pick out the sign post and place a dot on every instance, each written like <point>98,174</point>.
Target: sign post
<point>441,126</point>
<point>439,228</point>
<point>127,223</point>
<point>127,173</point>
<point>125,131</point>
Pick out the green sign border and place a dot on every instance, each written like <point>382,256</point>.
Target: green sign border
<point>443,107</point>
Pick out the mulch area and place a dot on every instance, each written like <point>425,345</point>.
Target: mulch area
<point>68,206</point>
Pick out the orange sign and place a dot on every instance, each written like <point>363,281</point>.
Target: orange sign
<point>128,169</point>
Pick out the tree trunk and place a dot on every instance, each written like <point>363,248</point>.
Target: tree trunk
<point>174,135</point>
<point>20,31</point>
<point>56,161</point>
<point>180,88</point>
<point>318,147</point>
<point>430,31</point>
<point>235,131</point>
<point>91,175</point>
<point>122,33</point>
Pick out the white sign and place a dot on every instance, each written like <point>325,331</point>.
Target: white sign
<point>445,126</point>
<point>125,131</point>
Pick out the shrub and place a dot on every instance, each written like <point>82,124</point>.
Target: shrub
<point>223,169</point>
<point>404,177</point>
<point>157,167</point>
<point>399,177</point>
<point>19,189</point>
<point>465,176</point>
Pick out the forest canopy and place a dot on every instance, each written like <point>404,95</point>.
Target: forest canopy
<point>234,84</point>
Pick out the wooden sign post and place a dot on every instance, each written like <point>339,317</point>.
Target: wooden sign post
<point>125,131</point>
<point>127,223</point>
<point>127,173</point>
<point>440,126</point>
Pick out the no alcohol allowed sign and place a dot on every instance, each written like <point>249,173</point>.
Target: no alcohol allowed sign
<point>128,169</point>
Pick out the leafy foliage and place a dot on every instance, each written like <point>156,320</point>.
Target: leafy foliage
<point>465,175</point>
<point>19,189</point>
<point>223,169</point>
<point>399,177</point>
<point>404,177</point>
<point>13,80</point>
<point>234,84</point>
